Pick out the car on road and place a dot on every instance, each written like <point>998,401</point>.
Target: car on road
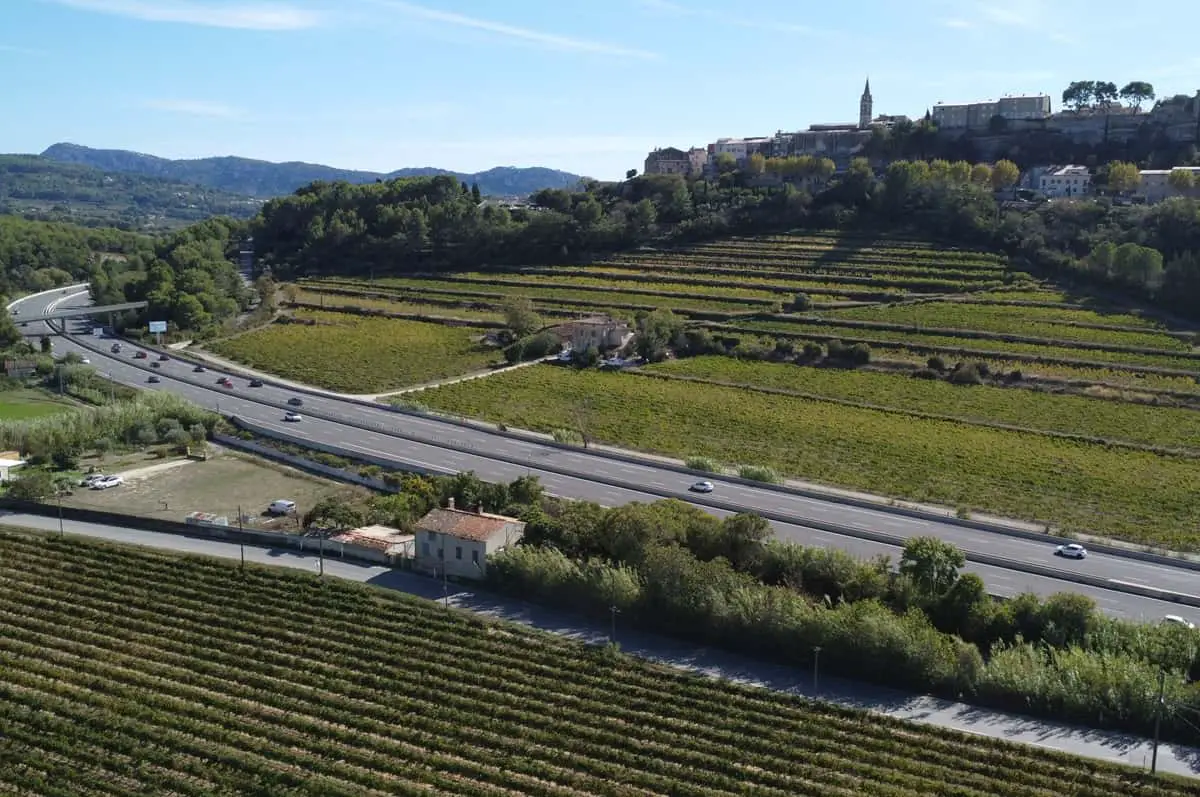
<point>293,417</point>
<point>154,379</point>
<point>116,348</point>
<point>155,364</point>
<point>162,358</point>
<point>107,483</point>
<point>85,360</point>
<point>88,481</point>
<point>1071,551</point>
<point>139,355</point>
<point>256,383</point>
<point>199,369</point>
<point>1177,620</point>
<point>702,487</point>
<point>296,402</point>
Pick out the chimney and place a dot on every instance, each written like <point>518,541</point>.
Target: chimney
<point>450,503</point>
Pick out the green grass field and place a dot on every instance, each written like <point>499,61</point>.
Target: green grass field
<point>126,671</point>
<point>360,355</point>
<point>1034,410</point>
<point>18,405</point>
<point>1139,496</point>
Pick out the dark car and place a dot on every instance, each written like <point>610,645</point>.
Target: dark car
<point>139,355</point>
<point>153,378</point>
<point>295,402</point>
<point>199,369</point>
<point>256,383</point>
<point>154,365</point>
<point>163,358</point>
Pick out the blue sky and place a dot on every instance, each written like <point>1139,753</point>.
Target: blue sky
<point>584,86</point>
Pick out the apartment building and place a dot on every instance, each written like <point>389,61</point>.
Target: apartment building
<point>1066,181</point>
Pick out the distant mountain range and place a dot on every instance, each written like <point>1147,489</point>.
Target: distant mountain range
<point>263,179</point>
<point>40,188</point>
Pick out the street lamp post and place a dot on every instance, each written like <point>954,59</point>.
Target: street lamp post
<point>321,554</point>
<point>1158,706</point>
<point>612,631</point>
<point>61,532</point>
<point>816,666</point>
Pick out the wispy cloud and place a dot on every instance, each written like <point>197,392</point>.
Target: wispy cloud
<point>18,50</point>
<point>250,15</point>
<point>956,23</point>
<point>551,41</point>
<point>667,7</point>
<point>195,108</point>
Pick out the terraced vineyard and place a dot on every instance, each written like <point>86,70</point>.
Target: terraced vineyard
<point>124,671</point>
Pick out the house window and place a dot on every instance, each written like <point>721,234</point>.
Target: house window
<point>475,556</point>
<point>425,548</point>
<point>458,552</point>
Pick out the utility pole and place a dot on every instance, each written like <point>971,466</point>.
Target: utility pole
<point>445,583</point>
<point>241,538</point>
<point>58,495</point>
<point>612,631</point>
<point>321,554</point>
<point>816,666</point>
<point>1158,707</point>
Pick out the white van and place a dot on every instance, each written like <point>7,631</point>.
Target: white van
<point>282,507</point>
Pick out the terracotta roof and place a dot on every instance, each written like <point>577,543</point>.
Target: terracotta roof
<point>475,526</point>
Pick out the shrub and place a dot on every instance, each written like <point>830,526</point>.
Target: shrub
<point>758,473</point>
<point>936,363</point>
<point>706,464</point>
<point>801,303</point>
<point>813,351</point>
<point>568,437</point>
<point>860,354</point>
<point>926,373</point>
<point>533,347</point>
<point>965,375</point>
<point>32,485</point>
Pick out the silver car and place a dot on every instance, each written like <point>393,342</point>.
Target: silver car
<point>1072,551</point>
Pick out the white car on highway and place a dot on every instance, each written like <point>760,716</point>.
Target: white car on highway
<point>1072,551</point>
<point>107,482</point>
<point>702,487</point>
<point>293,417</point>
<point>1177,620</point>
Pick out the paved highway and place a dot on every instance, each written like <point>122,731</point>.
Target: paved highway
<point>431,444</point>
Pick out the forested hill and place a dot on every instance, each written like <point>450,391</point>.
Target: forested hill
<point>264,179</point>
<point>43,189</point>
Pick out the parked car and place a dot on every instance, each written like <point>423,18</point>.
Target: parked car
<point>139,355</point>
<point>281,506</point>
<point>163,358</point>
<point>256,383</point>
<point>296,402</point>
<point>154,379</point>
<point>107,483</point>
<point>293,417</point>
<point>1177,620</point>
<point>199,369</point>
<point>88,481</point>
<point>1071,551</point>
<point>702,487</point>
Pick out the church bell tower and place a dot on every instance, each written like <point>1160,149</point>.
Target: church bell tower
<point>866,107</point>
